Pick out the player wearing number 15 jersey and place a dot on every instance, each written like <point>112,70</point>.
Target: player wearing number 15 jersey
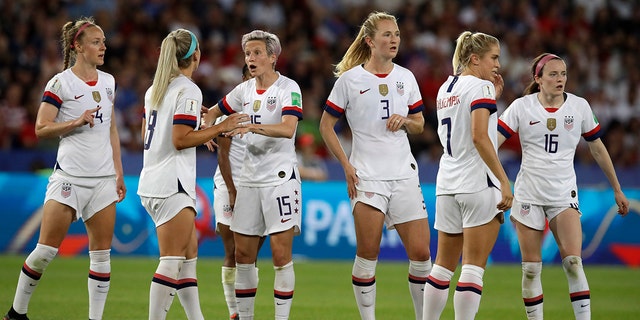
<point>268,197</point>
<point>382,103</point>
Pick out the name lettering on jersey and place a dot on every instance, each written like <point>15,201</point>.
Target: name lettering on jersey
<point>256,105</point>
<point>568,122</point>
<point>384,90</point>
<point>296,99</point>
<point>400,88</point>
<point>487,91</point>
<point>271,103</point>
<point>191,106</point>
<point>96,96</point>
<point>551,124</point>
<point>447,102</point>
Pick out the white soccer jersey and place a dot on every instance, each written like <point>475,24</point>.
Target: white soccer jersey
<point>462,170</point>
<point>368,100</point>
<point>267,161</point>
<point>549,140</point>
<point>165,169</point>
<point>236,155</point>
<point>84,151</point>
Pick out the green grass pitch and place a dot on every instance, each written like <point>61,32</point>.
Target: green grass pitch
<point>323,291</point>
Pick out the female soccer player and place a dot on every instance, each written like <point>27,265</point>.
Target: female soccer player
<point>550,123</point>
<point>167,186</point>
<point>87,180</point>
<point>269,199</point>
<point>382,103</point>
<point>472,188</point>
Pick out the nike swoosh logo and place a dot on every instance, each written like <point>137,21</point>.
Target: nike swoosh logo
<point>363,91</point>
<point>31,285</point>
<point>284,220</point>
<point>533,122</point>
<point>584,305</point>
<point>365,292</point>
<point>101,286</point>
<point>280,304</point>
<point>531,311</point>
<point>244,104</point>
<point>78,97</point>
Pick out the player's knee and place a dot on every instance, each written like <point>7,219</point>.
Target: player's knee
<point>531,270</point>
<point>572,265</point>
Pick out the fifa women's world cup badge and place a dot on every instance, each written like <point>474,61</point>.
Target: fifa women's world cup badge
<point>551,124</point>
<point>384,90</point>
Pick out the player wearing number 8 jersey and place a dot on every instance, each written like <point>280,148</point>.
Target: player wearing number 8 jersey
<point>550,123</point>
<point>268,197</point>
<point>167,186</point>
<point>382,103</point>
<point>472,188</point>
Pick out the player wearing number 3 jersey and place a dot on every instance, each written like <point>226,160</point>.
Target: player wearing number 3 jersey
<point>382,103</point>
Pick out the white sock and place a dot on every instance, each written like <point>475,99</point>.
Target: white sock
<point>246,288</point>
<point>532,290</point>
<point>578,287</point>
<point>418,273</point>
<point>188,290</point>
<point>466,299</point>
<point>283,285</point>
<point>363,278</point>
<point>32,270</point>
<point>229,287</point>
<point>163,286</point>
<point>436,292</point>
<point>99,281</point>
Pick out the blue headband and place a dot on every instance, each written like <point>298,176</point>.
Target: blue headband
<point>192,48</point>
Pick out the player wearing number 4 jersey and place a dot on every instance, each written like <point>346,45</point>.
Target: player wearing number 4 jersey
<point>382,103</point>
<point>167,185</point>
<point>550,123</point>
<point>87,181</point>
<point>268,200</point>
<point>472,188</point>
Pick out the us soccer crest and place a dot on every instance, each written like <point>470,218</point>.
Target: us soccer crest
<point>65,192</point>
<point>110,94</point>
<point>551,124</point>
<point>271,103</point>
<point>525,208</point>
<point>96,96</point>
<point>400,88</point>
<point>256,105</point>
<point>568,122</point>
<point>384,90</point>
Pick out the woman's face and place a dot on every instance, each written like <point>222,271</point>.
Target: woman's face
<point>257,58</point>
<point>92,46</point>
<point>489,64</point>
<point>386,41</point>
<point>554,77</point>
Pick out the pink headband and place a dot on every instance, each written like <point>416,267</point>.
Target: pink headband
<point>84,26</point>
<point>544,61</point>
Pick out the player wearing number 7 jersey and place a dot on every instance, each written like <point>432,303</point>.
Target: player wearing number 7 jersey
<point>550,123</point>
<point>472,189</point>
<point>382,103</point>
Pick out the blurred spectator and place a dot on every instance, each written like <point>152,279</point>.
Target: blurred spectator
<point>311,166</point>
<point>317,32</point>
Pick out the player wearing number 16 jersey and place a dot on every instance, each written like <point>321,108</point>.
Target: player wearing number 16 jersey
<point>382,103</point>
<point>550,123</point>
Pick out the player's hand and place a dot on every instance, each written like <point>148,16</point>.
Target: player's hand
<point>507,197</point>
<point>623,203</point>
<point>87,117</point>
<point>352,180</point>
<point>498,83</point>
<point>211,145</point>
<point>121,188</point>
<point>234,121</point>
<point>396,122</point>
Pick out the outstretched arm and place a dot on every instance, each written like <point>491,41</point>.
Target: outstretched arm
<point>601,155</point>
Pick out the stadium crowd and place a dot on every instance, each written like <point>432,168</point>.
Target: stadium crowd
<point>598,39</point>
